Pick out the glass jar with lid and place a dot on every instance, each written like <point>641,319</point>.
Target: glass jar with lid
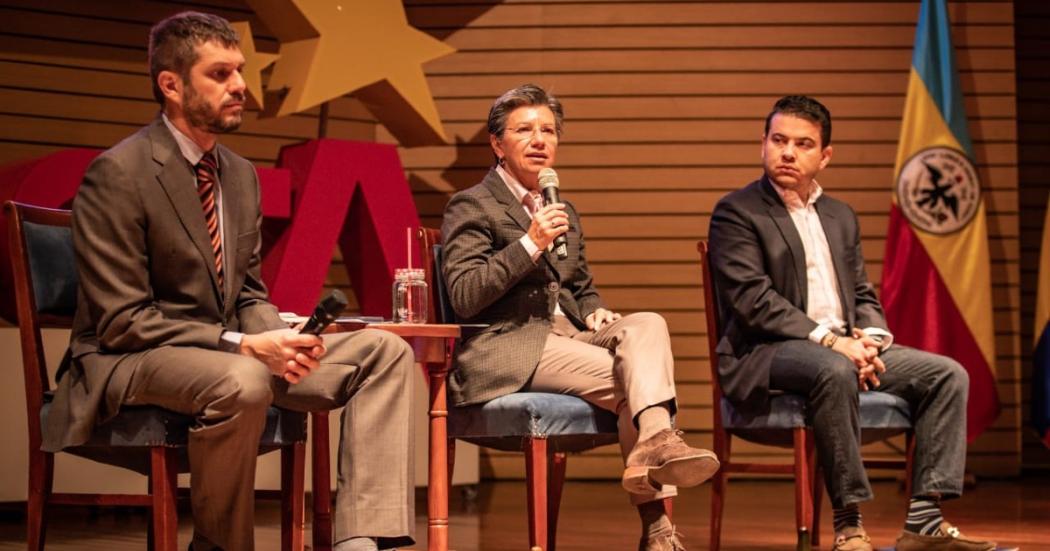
<point>410,296</point>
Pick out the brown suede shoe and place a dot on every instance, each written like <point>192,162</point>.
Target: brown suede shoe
<point>948,538</point>
<point>665,458</point>
<point>853,538</point>
<point>661,541</point>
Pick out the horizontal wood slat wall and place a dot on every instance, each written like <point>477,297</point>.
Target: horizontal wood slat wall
<point>664,105</point>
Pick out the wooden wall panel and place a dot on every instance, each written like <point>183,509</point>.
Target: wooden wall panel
<point>664,109</point>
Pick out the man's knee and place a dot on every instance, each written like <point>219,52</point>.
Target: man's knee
<point>392,346</point>
<point>838,375</point>
<point>956,379</point>
<point>244,386</point>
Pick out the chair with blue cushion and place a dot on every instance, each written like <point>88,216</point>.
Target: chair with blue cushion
<point>543,425</point>
<point>147,439</point>
<point>882,415</point>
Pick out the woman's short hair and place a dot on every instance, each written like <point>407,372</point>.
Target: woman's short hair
<point>522,96</point>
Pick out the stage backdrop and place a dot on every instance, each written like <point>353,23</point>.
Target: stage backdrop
<point>664,108</point>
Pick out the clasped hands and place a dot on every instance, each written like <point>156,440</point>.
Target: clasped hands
<point>289,354</point>
<point>863,351</point>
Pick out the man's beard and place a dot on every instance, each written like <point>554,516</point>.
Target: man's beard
<point>200,115</point>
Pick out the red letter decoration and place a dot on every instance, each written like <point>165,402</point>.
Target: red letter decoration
<point>353,193</point>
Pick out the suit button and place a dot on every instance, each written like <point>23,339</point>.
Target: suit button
<point>552,287</point>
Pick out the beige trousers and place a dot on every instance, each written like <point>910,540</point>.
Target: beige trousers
<point>229,394</point>
<point>624,367</point>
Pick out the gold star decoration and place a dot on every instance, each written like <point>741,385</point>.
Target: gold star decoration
<point>254,63</point>
<point>330,48</point>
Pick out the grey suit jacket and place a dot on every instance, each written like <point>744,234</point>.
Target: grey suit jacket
<point>147,275</point>
<point>492,280</point>
<point>759,270</point>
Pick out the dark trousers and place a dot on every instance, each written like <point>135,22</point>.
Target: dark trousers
<point>934,386</point>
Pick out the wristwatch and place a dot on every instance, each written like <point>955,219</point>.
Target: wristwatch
<point>879,340</point>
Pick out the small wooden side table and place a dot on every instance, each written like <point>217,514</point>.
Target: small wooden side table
<point>432,344</point>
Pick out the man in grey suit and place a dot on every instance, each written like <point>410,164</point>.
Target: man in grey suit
<point>547,328</point>
<point>172,312</point>
<point>799,315</point>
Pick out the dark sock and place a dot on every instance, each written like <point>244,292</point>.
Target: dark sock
<point>847,517</point>
<point>357,544</point>
<point>924,516</point>
<point>654,517</point>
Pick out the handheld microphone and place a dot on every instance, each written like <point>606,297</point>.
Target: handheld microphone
<point>549,188</point>
<point>325,313</point>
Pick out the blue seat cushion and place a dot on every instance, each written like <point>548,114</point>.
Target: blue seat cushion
<point>125,439</point>
<point>881,415</point>
<point>568,423</point>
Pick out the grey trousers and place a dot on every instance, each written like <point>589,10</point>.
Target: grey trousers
<point>934,386</point>
<point>229,394</point>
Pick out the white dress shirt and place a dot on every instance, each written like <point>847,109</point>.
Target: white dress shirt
<point>823,301</point>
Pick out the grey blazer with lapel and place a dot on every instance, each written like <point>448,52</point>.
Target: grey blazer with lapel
<point>147,275</point>
<point>759,269</point>
<point>492,280</point>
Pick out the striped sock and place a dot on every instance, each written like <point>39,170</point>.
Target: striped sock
<point>846,517</point>
<point>924,516</point>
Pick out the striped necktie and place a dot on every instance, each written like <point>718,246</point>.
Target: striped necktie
<point>206,171</point>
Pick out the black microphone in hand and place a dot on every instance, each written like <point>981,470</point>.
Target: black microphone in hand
<point>327,310</point>
<point>549,188</point>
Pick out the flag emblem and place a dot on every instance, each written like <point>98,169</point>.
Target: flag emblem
<point>938,190</point>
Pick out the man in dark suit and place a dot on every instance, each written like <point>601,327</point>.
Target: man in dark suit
<point>172,311</point>
<point>800,316</point>
<point>547,328</point>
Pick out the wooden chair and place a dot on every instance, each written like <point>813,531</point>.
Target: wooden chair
<point>543,425</point>
<point>321,481</point>
<point>882,416</point>
<point>147,439</point>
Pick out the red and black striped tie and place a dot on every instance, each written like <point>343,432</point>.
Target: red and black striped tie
<point>206,170</point>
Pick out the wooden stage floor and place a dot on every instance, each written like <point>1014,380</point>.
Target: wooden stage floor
<point>595,515</point>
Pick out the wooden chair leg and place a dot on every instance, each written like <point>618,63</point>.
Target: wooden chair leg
<point>41,474</point>
<point>164,488</point>
<point>817,483</point>
<point>719,483</point>
<point>293,473</point>
<point>451,459</point>
<point>151,538</point>
<point>803,506</point>
<point>536,480</point>
<point>556,483</point>
<point>321,481</point>
<point>909,467</point>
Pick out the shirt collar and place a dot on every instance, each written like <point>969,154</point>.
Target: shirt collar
<point>791,198</point>
<point>189,148</point>
<point>513,184</point>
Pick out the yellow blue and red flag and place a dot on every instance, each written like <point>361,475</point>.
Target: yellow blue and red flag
<point>936,282</point>
<point>1041,357</point>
